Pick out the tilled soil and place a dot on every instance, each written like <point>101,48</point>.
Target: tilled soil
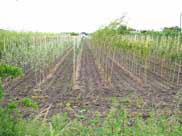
<point>58,88</point>
<point>154,92</point>
<point>93,95</point>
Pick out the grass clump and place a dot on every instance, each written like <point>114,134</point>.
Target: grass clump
<point>27,102</point>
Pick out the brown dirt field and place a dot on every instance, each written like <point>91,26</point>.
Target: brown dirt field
<point>93,95</point>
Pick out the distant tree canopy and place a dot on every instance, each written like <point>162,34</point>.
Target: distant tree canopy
<point>74,33</point>
<point>171,30</point>
<point>117,27</point>
<point>84,33</point>
<point>168,31</point>
<point>151,32</point>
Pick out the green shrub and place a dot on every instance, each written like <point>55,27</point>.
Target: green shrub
<point>12,105</point>
<point>10,121</point>
<point>27,102</point>
<point>7,70</point>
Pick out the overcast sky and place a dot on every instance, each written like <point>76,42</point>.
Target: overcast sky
<point>86,15</point>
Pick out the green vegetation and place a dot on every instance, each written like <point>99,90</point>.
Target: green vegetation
<point>27,102</point>
<point>6,71</point>
<point>159,52</point>
<point>7,121</point>
<point>18,38</point>
<point>33,52</point>
<point>74,34</point>
<point>117,123</point>
<point>148,44</point>
<point>38,51</point>
<point>23,49</point>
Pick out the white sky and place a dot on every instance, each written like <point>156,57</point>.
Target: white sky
<point>86,15</point>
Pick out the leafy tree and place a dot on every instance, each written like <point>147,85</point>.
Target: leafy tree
<point>175,30</point>
<point>74,34</point>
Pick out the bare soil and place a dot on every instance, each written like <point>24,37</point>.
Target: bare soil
<point>93,95</point>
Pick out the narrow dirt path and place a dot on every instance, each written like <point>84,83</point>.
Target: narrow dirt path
<point>58,88</point>
<point>92,87</point>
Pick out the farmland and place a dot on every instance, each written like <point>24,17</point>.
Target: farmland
<point>84,76</point>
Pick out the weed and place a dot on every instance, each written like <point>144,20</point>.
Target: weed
<point>27,102</point>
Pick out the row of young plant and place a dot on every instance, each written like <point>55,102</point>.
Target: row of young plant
<point>139,53</point>
<point>117,122</point>
<point>35,53</point>
<point>6,34</point>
